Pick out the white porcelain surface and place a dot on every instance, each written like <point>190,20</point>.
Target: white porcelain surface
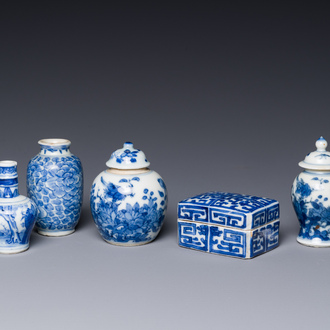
<point>128,158</point>
<point>17,213</point>
<point>311,197</point>
<point>319,159</point>
<point>128,205</point>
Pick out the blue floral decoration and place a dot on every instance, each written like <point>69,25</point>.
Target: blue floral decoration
<point>12,170</point>
<point>131,155</point>
<point>313,216</point>
<point>135,222</point>
<point>56,185</point>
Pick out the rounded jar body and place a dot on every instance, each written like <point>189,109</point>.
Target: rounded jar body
<point>55,183</point>
<point>128,206</point>
<point>311,201</point>
<point>17,213</point>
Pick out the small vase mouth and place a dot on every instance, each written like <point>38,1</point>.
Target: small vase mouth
<point>8,163</point>
<point>54,142</point>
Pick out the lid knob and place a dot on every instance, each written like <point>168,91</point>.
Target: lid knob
<point>321,144</point>
<point>128,145</point>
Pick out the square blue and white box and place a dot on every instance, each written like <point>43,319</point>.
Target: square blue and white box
<point>230,224</point>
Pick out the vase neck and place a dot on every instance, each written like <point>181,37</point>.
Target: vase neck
<point>8,179</point>
<point>55,147</point>
<point>55,151</point>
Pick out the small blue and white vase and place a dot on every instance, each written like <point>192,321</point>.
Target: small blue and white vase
<point>55,183</point>
<point>128,200</point>
<point>311,197</point>
<point>17,213</point>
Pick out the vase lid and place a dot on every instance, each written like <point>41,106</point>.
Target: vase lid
<point>128,158</point>
<point>319,159</point>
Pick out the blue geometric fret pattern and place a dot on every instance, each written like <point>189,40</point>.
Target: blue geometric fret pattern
<point>227,241</point>
<point>228,209</point>
<point>227,218</point>
<point>193,235</point>
<point>265,238</point>
<point>192,212</point>
<point>229,224</point>
<point>266,215</point>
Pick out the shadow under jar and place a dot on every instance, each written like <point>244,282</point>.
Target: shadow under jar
<point>55,183</point>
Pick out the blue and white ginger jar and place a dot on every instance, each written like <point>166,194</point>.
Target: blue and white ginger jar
<point>17,213</point>
<point>55,183</point>
<point>311,197</point>
<point>128,200</point>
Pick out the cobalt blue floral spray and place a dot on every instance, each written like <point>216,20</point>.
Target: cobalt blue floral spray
<point>311,197</point>
<point>128,200</point>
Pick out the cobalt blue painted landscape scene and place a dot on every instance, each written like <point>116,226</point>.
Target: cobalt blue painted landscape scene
<point>16,224</point>
<point>17,213</point>
<point>313,215</point>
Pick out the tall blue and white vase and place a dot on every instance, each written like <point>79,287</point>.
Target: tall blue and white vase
<point>128,200</point>
<point>311,197</point>
<point>55,183</point>
<point>17,213</point>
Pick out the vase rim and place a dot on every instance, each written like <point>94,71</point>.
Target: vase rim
<point>54,142</point>
<point>8,163</point>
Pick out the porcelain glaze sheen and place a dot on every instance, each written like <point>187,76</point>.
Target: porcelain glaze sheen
<point>234,225</point>
<point>311,197</point>
<point>55,183</point>
<point>128,203</point>
<point>17,213</point>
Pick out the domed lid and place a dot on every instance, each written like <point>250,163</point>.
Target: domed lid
<point>128,158</point>
<point>319,159</point>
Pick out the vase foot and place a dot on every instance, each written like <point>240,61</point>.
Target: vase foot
<point>53,233</point>
<point>316,242</point>
<point>128,244</point>
<point>13,250</point>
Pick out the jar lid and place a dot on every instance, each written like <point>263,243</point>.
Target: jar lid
<point>319,159</point>
<point>128,158</point>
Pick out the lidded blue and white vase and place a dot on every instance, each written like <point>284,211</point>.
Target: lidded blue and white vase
<point>55,183</point>
<point>311,197</point>
<point>128,200</point>
<point>17,213</point>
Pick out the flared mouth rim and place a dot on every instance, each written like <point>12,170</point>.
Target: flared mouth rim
<point>54,142</point>
<point>8,163</point>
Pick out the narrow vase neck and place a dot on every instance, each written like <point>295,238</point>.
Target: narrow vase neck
<point>8,179</point>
